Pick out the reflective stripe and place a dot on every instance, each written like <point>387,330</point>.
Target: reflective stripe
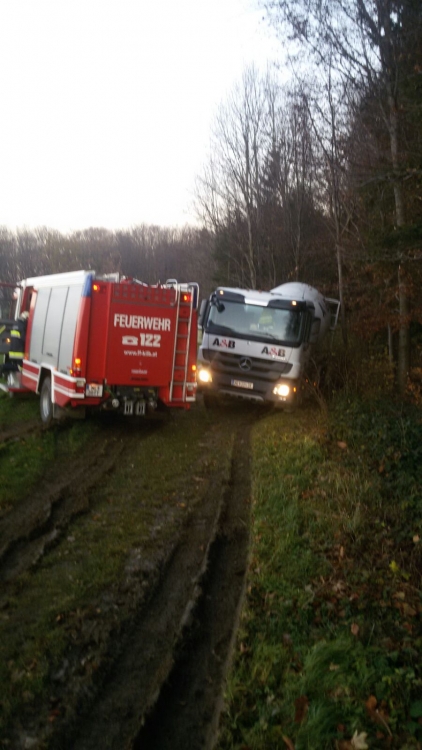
<point>16,355</point>
<point>15,334</point>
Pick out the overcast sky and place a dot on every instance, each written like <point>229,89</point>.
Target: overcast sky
<point>107,105</point>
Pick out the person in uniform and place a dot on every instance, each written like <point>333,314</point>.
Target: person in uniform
<point>14,357</point>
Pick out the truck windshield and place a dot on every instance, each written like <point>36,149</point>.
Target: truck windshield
<point>253,321</point>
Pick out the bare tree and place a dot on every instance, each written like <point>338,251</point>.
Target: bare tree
<point>229,190</point>
<point>327,111</point>
<point>256,193</point>
<point>367,44</point>
<point>297,183</point>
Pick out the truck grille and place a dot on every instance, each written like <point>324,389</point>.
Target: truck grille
<point>262,372</point>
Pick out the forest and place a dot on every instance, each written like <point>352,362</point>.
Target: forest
<point>314,177</point>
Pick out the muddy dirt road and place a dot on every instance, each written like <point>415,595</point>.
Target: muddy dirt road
<point>159,674</point>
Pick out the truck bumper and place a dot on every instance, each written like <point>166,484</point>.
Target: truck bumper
<point>282,392</point>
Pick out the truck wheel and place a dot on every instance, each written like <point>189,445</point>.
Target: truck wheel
<point>46,405</point>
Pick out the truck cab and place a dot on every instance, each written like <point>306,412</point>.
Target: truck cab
<point>255,345</point>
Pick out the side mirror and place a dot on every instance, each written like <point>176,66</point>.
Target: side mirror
<point>203,310</point>
<point>315,328</point>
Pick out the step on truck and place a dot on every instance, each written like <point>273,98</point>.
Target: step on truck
<point>81,340</point>
<point>256,345</point>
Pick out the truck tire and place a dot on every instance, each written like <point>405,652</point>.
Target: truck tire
<point>46,404</point>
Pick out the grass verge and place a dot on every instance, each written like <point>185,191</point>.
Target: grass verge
<point>328,651</point>
<point>25,459</point>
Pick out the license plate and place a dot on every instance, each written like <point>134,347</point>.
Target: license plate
<point>92,389</point>
<point>242,384</point>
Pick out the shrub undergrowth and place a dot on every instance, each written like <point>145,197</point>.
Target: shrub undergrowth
<point>327,653</point>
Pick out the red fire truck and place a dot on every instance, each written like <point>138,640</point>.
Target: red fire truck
<point>81,340</point>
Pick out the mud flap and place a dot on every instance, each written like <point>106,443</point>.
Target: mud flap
<point>128,407</point>
<point>140,408</point>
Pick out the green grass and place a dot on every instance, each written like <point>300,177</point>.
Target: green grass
<point>24,460</point>
<point>330,634</point>
<point>22,464</point>
<point>17,409</point>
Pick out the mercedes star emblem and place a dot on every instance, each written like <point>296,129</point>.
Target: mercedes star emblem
<point>245,363</point>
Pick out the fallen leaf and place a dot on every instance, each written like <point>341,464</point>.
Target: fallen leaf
<point>354,628</point>
<point>342,445</point>
<point>371,703</point>
<point>408,611</point>
<point>399,595</point>
<point>359,741</point>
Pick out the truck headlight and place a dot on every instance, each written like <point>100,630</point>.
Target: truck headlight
<point>281,390</point>
<point>204,375</point>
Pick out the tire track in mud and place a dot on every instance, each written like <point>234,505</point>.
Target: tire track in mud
<point>36,523</point>
<point>188,711</point>
<point>18,431</point>
<point>164,690</point>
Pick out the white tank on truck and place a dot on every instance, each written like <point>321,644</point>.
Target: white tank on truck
<point>255,345</point>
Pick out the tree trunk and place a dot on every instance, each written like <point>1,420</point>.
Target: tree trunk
<point>403,355</point>
<point>341,294</point>
<point>390,346</point>
<point>403,363</point>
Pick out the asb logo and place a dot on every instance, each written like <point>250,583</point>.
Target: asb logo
<point>274,351</point>
<point>226,343</point>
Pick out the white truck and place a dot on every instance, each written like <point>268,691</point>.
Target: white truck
<point>255,345</point>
